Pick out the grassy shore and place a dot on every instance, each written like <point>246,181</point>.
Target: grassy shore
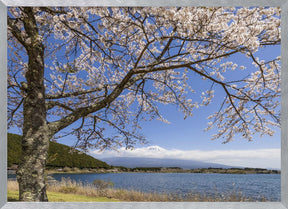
<point>71,191</point>
<point>62,197</point>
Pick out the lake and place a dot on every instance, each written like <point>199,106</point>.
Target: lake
<point>250,185</point>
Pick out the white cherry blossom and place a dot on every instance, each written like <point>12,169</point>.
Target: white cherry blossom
<point>133,59</point>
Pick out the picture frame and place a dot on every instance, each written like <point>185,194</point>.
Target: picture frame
<point>141,205</point>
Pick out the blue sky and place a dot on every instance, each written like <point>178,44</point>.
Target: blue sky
<point>188,135</point>
<point>186,139</point>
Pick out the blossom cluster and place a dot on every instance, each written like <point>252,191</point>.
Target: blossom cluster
<point>134,59</point>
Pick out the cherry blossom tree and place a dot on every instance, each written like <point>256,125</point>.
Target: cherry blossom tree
<point>83,71</point>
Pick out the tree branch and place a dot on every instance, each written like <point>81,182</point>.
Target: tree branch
<point>84,111</point>
<point>70,94</point>
<point>51,104</point>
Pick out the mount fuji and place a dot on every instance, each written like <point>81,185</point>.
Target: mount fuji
<point>151,159</point>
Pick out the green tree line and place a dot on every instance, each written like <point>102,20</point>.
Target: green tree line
<point>59,155</point>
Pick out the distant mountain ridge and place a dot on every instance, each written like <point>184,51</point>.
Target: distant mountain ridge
<point>151,158</point>
<point>59,155</point>
<point>133,162</point>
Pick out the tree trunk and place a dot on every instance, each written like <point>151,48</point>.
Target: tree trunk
<point>35,140</point>
<point>30,173</point>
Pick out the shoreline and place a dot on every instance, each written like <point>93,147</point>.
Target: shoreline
<point>67,170</point>
<point>203,171</point>
<point>67,190</point>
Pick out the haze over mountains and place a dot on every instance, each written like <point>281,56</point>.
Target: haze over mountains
<point>153,161</point>
<point>160,157</point>
<point>133,162</point>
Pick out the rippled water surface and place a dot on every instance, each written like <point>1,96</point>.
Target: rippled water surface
<point>251,185</point>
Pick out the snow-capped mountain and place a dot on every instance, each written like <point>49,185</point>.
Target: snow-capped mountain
<point>156,156</point>
<point>151,157</point>
<point>155,148</point>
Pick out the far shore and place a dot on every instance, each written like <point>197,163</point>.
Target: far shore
<point>163,170</point>
<point>115,169</point>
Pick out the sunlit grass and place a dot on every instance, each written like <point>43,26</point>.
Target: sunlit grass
<point>61,197</point>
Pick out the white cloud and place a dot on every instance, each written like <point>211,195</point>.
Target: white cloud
<point>261,158</point>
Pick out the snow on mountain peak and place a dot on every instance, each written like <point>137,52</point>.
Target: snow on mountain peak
<point>155,148</point>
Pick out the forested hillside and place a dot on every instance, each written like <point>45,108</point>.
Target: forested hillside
<point>59,155</point>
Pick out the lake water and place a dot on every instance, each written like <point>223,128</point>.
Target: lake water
<point>250,185</point>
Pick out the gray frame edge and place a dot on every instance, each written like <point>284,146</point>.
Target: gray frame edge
<point>131,205</point>
<point>284,104</point>
<point>3,104</point>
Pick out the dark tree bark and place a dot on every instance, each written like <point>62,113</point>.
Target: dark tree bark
<point>35,140</point>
